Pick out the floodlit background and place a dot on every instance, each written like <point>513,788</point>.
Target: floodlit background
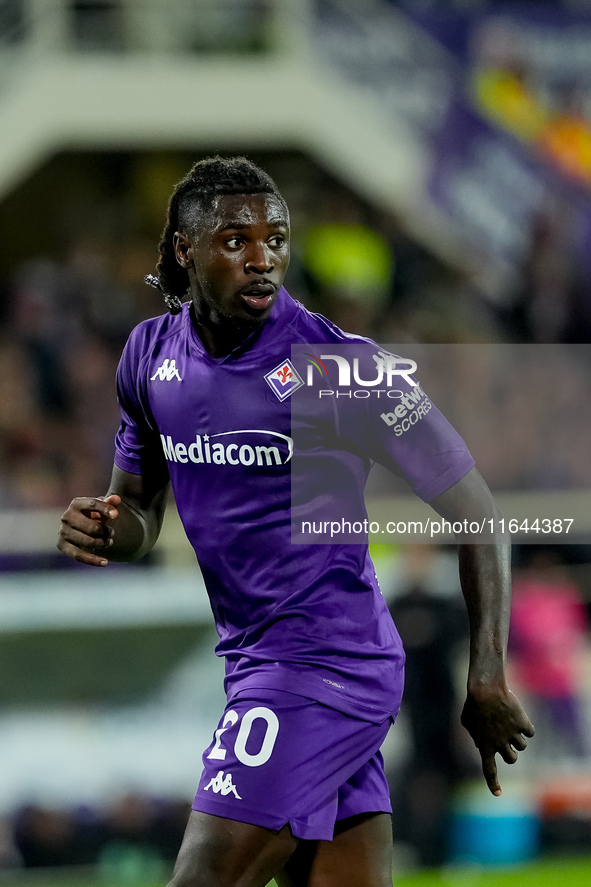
<point>436,158</point>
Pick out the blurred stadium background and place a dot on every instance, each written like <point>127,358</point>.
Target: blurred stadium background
<point>436,157</point>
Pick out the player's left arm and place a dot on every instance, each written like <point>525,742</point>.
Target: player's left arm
<point>492,715</point>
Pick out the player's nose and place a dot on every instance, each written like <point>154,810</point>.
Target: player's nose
<point>259,260</point>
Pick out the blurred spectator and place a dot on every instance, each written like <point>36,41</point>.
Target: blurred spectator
<point>505,97</point>
<point>547,643</point>
<point>504,85</point>
<point>511,92</point>
<point>565,140</point>
<point>553,303</point>
<point>129,851</point>
<point>12,17</point>
<point>62,336</point>
<point>431,622</point>
<point>10,858</point>
<point>134,838</point>
<point>47,838</point>
<point>349,264</point>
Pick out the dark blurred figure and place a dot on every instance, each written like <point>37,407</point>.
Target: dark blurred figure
<point>128,850</point>
<point>430,625</point>
<point>10,858</point>
<point>553,303</point>
<point>141,833</point>
<point>47,838</point>
<point>138,835</point>
<point>12,21</point>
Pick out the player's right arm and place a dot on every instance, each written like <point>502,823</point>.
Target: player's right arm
<point>121,526</point>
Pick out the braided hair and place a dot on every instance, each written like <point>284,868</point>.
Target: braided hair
<point>206,180</point>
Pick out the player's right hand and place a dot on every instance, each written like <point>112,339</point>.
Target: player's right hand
<point>85,534</point>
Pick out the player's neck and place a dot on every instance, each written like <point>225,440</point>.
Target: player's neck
<point>220,334</point>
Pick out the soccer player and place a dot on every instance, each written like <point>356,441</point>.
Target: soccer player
<point>293,783</point>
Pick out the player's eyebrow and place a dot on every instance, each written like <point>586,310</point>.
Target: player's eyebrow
<point>276,222</point>
<point>279,222</point>
<point>234,226</point>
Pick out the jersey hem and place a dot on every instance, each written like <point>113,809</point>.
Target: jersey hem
<point>446,480</point>
<point>298,684</point>
<point>266,820</point>
<point>126,464</point>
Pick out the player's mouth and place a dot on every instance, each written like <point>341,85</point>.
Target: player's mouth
<point>259,295</point>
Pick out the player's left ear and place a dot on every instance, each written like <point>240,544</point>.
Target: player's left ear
<point>183,249</point>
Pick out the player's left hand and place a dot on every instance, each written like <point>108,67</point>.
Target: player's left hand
<point>497,722</point>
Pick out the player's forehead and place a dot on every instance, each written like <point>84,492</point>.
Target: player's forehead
<point>247,211</point>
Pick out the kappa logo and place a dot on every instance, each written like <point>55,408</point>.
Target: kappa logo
<point>223,785</point>
<point>284,380</point>
<point>167,371</point>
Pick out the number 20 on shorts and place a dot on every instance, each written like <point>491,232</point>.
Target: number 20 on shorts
<point>218,752</point>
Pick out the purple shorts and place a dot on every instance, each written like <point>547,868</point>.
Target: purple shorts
<point>278,758</point>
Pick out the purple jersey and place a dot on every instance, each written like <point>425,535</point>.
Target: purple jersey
<point>303,618</point>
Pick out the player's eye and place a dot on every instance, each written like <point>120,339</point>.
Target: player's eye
<point>234,242</point>
<point>277,240</point>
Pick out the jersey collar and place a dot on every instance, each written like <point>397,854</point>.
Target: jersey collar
<point>281,314</point>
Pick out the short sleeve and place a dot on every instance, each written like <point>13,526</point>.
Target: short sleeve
<point>428,453</point>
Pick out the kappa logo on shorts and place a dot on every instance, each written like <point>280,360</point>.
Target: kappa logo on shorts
<point>284,380</point>
<point>166,371</point>
<point>222,785</point>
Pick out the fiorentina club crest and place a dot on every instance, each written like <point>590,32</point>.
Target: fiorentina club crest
<point>284,380</point>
